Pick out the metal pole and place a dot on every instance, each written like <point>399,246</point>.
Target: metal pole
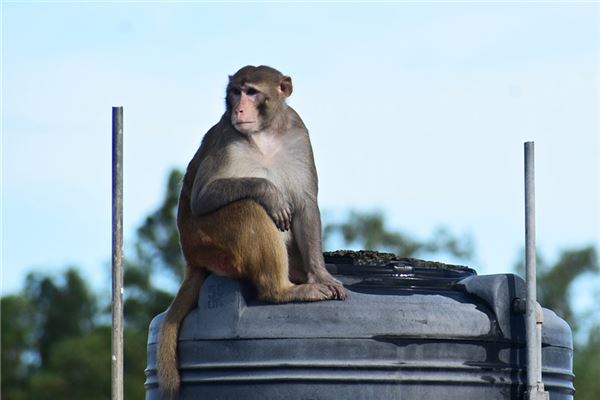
<point>117,254</point>
<point>533,314</point>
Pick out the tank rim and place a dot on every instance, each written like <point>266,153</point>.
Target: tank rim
<point>378,269</point>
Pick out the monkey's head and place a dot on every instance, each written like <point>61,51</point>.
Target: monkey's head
<point>255,96</point>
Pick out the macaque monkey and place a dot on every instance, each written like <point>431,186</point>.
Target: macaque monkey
<point>248,207</point>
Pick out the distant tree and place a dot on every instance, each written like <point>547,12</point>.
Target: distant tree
<point>554,288</point>
<point>135,362</point>
<point>61,310</point>
<point>555,282</point>
<point>77,367</point>
<point>55,346</point>
<point>157,243</point>
<point>587,366</point>
<point>16,344</point>
<point>156,250</point>
<point>143,300</point>
<point>368,231</point>
<point>56,341</point>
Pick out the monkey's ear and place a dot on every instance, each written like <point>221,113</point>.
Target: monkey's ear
<point>286,86</point>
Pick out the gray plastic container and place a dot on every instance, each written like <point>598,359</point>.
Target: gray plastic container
<point>408,330</point>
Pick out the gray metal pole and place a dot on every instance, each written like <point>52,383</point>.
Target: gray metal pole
<point>117,254</point>
<point>533,317</point>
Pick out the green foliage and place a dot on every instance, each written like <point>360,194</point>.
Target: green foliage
<point>368,231</point>
<point>157,244</point>
<point>554,282</point>
<point>16,343</point>
<point>587,367</point>
<point>59,350</point>
<point>554,289</point>
<point>143,300</point>
<point>56,343</point>
<point>42,361</point>
<point>156,250</point>
<point>554,285</point>
<point>134,360</point>
<point>61,310</point>
<point>76,368</point>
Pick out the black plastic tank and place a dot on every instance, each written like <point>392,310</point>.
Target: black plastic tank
<point>409,329</point>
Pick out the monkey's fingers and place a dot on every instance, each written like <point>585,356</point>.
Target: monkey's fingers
<point>279,220</point>
<point>286,216</point>
<point>288,219</point>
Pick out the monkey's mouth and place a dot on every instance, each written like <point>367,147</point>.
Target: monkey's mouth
<point>246,127</point>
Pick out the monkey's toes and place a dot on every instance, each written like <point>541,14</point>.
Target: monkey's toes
<point>339,292</point>
<point>326,293</point>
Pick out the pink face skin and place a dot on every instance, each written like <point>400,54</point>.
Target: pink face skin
<point>244,116</point>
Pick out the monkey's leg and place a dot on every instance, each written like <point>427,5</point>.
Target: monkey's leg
<point>201,251</point>
<point>297,272</point>
<point>269,271</point>
<point>259,252</point>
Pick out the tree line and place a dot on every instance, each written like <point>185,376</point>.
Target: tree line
<point>56,335</point>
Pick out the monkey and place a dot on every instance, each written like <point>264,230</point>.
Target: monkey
<point>248,207</point>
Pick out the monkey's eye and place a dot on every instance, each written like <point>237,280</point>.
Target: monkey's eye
<point>251,91</point>
<point>236,91</point>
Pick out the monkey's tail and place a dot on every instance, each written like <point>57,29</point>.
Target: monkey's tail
<point>184,302</point>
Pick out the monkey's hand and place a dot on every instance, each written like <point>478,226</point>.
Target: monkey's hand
<point>282,216</point>
<point>278,209</point>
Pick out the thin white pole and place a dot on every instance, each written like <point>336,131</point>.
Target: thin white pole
<point>533,312</point>
<point>117,254</point>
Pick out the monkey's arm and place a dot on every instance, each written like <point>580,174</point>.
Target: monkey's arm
<point>221,192</point>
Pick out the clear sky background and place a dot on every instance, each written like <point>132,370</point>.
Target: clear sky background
<point>416,109</point>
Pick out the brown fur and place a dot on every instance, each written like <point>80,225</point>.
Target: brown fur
<point>235,229</point>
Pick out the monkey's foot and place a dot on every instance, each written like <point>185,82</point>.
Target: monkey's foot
<point>338,289</point>
<point>335,286</point>
<point>311,292</point>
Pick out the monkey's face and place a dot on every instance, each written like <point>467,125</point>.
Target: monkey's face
<point>247,105</point>
<point>255,97</point>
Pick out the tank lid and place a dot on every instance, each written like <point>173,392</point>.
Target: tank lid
<point>377,269</point>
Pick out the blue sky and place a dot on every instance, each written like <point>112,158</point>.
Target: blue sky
<point>416,109</point>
